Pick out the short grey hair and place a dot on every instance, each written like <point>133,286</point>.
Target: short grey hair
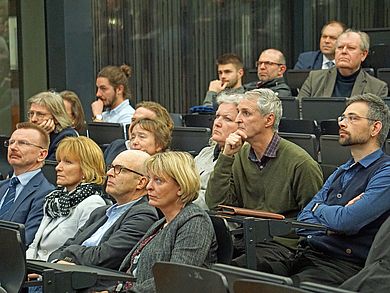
<point>377,110</point>
<point>364,38</point>
<point>229,99</point>
<point>267,102</point>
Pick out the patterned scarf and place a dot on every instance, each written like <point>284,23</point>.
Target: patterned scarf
<point>60,202</point>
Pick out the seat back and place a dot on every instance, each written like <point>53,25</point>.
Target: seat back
<point>290,107</point>
<point>199,120</point>
<point>49,170</point>
<point>322,108</point>
<point>178,278</point>
<point>233,273</point>
<point>13,259</point>
<point>299,126</point>
<point>320,288</point>
<point>249,286</point>
<point>4,166</point>
<point>295,79</point>
<point>332,154</point>
<point>104,133</point>
<point>330,126</point>
<point>190,139</point>
<point>384,74</point>
<point>308,142</point>
<point>177,119</point>
<point>224,239</point>
<point>387,146</point>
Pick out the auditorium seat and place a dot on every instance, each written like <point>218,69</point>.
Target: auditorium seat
<point>295,79</point>
<point>290,107</point>
<point>199,120</point>
<point>178,278</point>
<point>190,139</point>
<point>307,141</point>
<point>384,74</point>
<point>249,286</point>
<point>104,133</point>
<point>322,108</point>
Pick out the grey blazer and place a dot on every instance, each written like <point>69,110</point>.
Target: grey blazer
<point>188,239</point>
<point>116,242</point>
<point>320,83</point>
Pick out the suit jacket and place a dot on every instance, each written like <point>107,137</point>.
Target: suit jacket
<point>53,232</point>
<point>188,239</point>
<point>28,207</point>
<point>310,60</point>
<point>114,149</point>
<point>55,139</point>
<point>116,243</point>
<point>320,83</point>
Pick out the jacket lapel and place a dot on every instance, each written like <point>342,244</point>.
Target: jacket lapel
<point>360,84</point>
<point>330,81</point>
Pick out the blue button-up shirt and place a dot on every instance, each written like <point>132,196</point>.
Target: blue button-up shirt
<point>120,114</point>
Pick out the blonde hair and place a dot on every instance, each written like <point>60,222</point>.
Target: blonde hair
<point>77,109</point>
<point>88,153</point>
<point>179,166</point>
<point>55,105</point>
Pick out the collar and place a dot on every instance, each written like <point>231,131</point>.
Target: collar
<point>114,209</point>
<point>119,107</point>
<point>270,151</point>
<point>326,60</point>
<point>26,177</point>
<point>217,151</point>
<point>365,162</point>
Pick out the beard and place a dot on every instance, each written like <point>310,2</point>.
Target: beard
<point>349,141</point>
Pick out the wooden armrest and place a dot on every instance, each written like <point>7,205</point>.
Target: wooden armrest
<point>231,210</point>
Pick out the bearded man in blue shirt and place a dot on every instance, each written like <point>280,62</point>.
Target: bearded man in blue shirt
<point>352,204</point>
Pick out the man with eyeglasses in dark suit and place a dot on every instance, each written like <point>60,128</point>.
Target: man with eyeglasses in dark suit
<point>22,195</point>
<point>271,67</point>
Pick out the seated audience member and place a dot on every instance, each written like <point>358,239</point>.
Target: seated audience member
<point>80,176</point>
<point>230,72</point>
<point>185,234</point>
<point>224,124</point>
<point>323,58</point>
<point>352,204</point>
<point>111,231</point>
<point>75,110</point>
<point>267,172</point>
<point>47,110</point>
<point>22,196</point>
<point>374,277</point>
<point>346,78</point>
<point>112,104</point>
<point>146,109</point>
<point>270,69</point>
<point>151,136</point>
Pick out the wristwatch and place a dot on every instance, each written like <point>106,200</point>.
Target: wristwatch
<point>98,117</point>
<point>315,207</point>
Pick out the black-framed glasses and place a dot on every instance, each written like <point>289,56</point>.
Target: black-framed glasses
<point>118,169</point>
<point>22,143</point>
<point>266,63</point>
<point>351,118</point>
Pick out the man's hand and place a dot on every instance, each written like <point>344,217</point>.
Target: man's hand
<point>355,199</point>
<point>48,125</point>
<point>234,143</point>
<point>97,107</point>
<point>217,86</point>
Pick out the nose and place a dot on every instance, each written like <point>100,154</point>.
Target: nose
<point>33,118</point>
<point>149,185</point>
<point>58,167</point>
<point>98,93</point>
<point>238,118</point>
<point>217,122</point>
<point>342,123</point>
<point>134,141</point>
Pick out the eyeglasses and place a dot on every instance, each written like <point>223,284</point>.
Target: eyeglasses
<point>22,143</point>
<point>40,115</point>
<point>118,169</point>
<point>266,63</point>
<point>352,118</point>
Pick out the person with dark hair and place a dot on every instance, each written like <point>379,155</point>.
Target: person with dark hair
<point>271,67</point>
<point>74,109</point>
<point>323,58</point>
<point>230,70</point>
<point>112,104</point>
<point>347,78</point>
<point>22,196</point>
<point>352,204</point>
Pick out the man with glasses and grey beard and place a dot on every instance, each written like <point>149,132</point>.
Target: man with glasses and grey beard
<point>22,195</point>
<point>352,204</point>
<point>111,231</point>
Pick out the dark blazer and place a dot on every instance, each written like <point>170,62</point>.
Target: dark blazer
<point>116,243</point>
<point>374,277</point>
<point>55,139</point>
<point>188,239</point>
<point>310,60</point>
<point>114,149</point>
<point>320,83</point>
<point>28,207</point>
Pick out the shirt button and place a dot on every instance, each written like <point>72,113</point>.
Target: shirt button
<point>339,195</point>
<point>348,250</point>
<point>44,251</point>
<point>309,236</point>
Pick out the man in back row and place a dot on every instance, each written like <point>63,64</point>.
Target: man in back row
<point>324,58</point>
<point>352,204</point>
<point>271,67</point>
<point>347,78</point>
<point>230,71</point>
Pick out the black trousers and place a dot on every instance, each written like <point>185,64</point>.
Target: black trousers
<point>302,265</point>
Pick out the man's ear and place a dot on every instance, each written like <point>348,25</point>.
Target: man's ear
<point>42,155</point>
<point>376,128</point>
<point>120,89</point>
<point>270,120</point>
<point>142,183</point>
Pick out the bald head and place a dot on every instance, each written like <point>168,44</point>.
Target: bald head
<point>133,159</point>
